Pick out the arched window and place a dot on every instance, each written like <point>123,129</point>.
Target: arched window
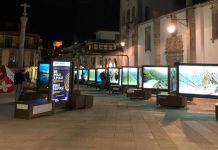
<point>128,16</point>
<point>123,18</point>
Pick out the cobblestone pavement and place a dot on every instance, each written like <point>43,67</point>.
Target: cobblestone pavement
<point>115,122</point>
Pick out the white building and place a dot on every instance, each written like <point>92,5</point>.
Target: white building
<point>194,42</point>
<point>134,12</point>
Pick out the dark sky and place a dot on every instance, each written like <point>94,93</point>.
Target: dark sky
<point>65,20</point>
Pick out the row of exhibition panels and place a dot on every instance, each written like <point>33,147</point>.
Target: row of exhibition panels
<point>192,80</point>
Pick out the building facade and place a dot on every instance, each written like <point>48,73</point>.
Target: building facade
<point>195,39</point>
<point>134,12</point>
<point>9,49</point>
<point>104,51</point>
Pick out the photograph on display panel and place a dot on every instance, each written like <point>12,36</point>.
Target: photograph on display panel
<point>155,77</point>
<point>133,76</point>
<point>43,76</point>
<point>91,76</point>
<point>80,74</point>
<point>61,76</point>
<point>85,74</point>
<point>98,73</point>
<point>113,73</point>
<point>200,80</point>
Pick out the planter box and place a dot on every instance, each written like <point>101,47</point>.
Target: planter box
<point>77,101</point>
<point>171,100</point>
<point>116,89</point>
<point>33,108</point>
<point>139,93</point>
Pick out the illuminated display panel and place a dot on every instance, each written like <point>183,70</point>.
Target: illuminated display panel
<point>155,77</point>
<point>133,76</point>
<point>80,74</point>
<point>43,76</point>
<point>61,74</point>
<point>98,72</point>
<point>85,73</point>
<point>198,80</point>
<point>114,75</point>
<point>91,75</point>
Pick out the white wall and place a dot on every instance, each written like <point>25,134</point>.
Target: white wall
<point>181,26</point>
<point>145,58</point>
<point>130,51</point>
<point>200,50</point>
<point>206,49</point>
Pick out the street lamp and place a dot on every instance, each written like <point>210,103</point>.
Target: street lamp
<point>122,43</point>
<point>172,28</point>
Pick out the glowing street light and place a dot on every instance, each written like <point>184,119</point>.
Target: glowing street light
<point>122,44</point>
<point>171,29</point>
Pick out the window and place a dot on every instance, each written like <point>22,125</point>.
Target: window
<point>0,57</point>
<point>123,18</point>
<point>90,47</point>
<point>8,42</point>
<point>95,46</point>
<point>128,16</point>
<point>35,43</point>
<point>110,47</point>
<point>133,14</point>
<point>105,47</point>
<point>101,46</point>
<point>26,43</point>
<point>215,21</point>
<point>12,60</point>
<point>147,39</point>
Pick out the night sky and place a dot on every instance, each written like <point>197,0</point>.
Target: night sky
<point>65,20</point>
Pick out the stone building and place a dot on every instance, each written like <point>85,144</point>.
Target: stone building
<point>103,51</point>
<point>9,49</point>
<point>144,29</point>
<point>194,40</point>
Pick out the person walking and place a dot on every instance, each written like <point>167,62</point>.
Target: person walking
<point>19,78</point>
<point>103,80</point>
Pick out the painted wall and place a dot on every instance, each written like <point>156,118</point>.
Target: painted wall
<point>206,48</point>
<point>145,57</point>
